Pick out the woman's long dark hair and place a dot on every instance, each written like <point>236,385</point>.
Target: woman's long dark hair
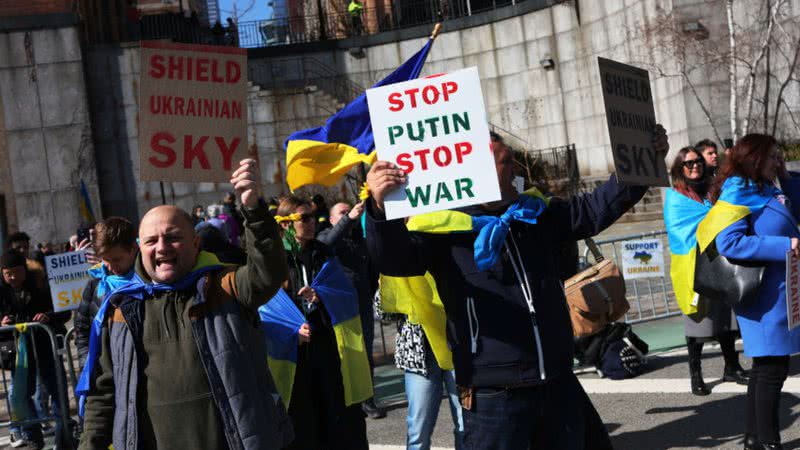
<point>747,160</point>
<point>679,180</point>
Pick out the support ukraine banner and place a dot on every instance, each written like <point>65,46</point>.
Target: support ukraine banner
<point>323,155</point>
<point>682,215</point>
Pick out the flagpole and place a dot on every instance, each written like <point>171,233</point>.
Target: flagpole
<point>436,29</point>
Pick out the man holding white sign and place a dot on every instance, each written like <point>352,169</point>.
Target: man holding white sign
<point>496,268</point>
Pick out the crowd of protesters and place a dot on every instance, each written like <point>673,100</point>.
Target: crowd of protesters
<point>204,275</point>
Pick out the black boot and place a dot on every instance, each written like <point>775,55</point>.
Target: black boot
<point>372,410</point>
<point>695,352</point>
<point>733,370</point>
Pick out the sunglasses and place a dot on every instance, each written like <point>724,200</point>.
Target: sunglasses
<point>305,218</point>
<point>692,163</point>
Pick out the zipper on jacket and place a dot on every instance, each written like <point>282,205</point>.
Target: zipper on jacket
<point>525,286</point>
<point>474,331</point>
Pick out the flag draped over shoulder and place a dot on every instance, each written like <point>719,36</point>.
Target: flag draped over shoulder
<point>682,215</point>
<point>738,199</point>
<point>323,155</point>
<point>281,321</point>
<point>341,301</point>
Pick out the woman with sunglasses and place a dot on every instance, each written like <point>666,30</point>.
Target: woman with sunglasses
<point>321,419</point>
<point>684,206</point>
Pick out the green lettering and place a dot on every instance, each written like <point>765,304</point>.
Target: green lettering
<point>394,131</point>
<point>420,195</point>
<point>463,121</point>
<point>443,192</point>
<point>464,185</point>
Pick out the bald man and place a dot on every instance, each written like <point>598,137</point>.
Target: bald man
<point>181,361</point>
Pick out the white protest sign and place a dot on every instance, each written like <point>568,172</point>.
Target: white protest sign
<point>792,289</point>
<point>68,274</point>
<point>642,259</point>
<point>631,119</point>
<point>435,129</point>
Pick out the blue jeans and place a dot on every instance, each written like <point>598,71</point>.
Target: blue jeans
<point>424,398</point>
<point>555,415</point>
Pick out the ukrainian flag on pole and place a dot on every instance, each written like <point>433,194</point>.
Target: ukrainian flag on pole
<point>86,205</point>
<point>325,154</point>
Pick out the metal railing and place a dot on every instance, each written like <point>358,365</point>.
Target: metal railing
<point>553,170</point>
<point>650,298</point>
<point>341,24</point>
<point>303,72</point>
<point>60,377</point>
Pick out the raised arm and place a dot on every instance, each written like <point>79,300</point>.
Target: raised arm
<point>265,271</point>
<point>331,236</point>
<point>586,215</point>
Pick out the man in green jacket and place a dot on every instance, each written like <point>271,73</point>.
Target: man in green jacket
<point>355,9</point>
<point>181,359</point>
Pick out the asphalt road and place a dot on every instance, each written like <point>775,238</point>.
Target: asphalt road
<point>651,412</point>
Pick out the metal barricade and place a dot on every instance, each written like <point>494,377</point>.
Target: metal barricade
<point>61,382</point>
<point>71,369</point>
<point>650,298</point>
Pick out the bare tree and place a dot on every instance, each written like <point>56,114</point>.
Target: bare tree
<point>757,39</point>
<point>239,9</point>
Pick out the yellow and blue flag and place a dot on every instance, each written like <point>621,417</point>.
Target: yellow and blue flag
<point>682,215</point>
<point>418,299</point>
<point>341,301</point>
<point>323,155</point>
<point>738,199</point>
<point>86,205</point>
<point>281,321</point>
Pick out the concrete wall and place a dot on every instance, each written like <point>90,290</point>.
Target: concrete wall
<point>46,142</point>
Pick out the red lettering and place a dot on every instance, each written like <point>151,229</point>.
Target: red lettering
<point>396,101</point>
<point>158,147</point>
<point>190,152</point>
<point>215,76</point>
<point>437,156</point>
<point>412,96</point>
<point>404,161</point>
<point>462,148</point>
<point>176,65</point>
<point>202,69</point>
<point>227,152</point>
<point>233,72</point>
<point>430,94</point>
<point>179,106</point>
<point>449,87</point>
<point>157,66</point>
<point>189,72</point>
<point>423,157</point>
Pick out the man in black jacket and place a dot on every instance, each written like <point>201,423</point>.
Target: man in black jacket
<point>508,325</point>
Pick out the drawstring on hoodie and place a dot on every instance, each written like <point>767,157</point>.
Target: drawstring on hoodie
<point>525,286</point>
<point>474,332</point>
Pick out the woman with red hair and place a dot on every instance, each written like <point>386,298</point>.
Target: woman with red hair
<point>761,226</point>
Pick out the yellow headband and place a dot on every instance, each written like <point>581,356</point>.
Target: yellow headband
<point>294,217</point>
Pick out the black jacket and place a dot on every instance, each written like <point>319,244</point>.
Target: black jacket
<point>350,248</point>
<point>90,304</point>
<point>491,329</point>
